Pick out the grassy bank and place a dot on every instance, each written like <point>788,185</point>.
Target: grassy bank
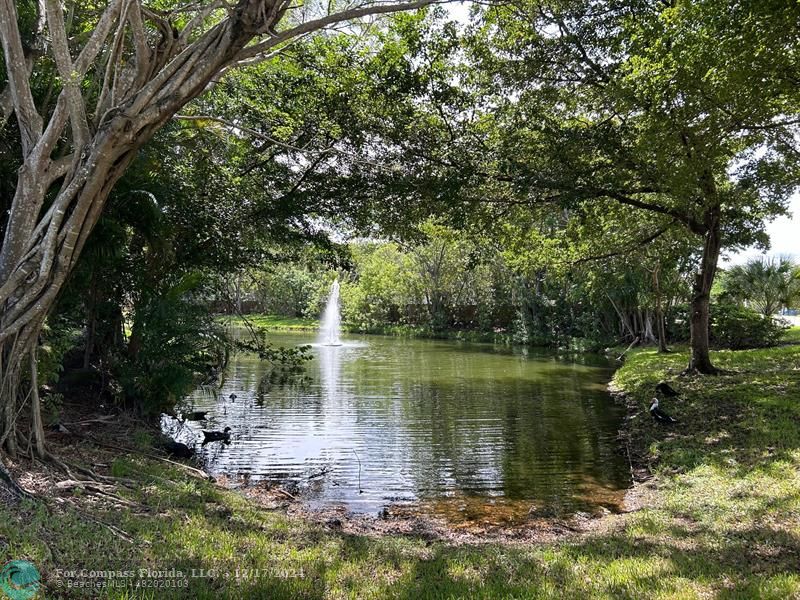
<point>281,323</point>
<point>721,517</point>
<point>275,322</point>
<point>792,336</point>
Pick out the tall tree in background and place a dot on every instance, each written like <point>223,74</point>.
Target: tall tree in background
<point>686,110</point>
<point>120,70</point>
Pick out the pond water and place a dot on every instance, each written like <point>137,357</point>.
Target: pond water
<point>463,431</point>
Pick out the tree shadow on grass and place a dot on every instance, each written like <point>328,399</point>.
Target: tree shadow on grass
<point>667,559</point>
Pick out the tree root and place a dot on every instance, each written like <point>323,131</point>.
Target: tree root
<point>68,466</point>
<point>193,470</point>
<point>10,484</point>
<point>689,371</point>
<point>99,489</point>
<point>123,535</point>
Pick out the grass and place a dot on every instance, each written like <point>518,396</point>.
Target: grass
<point>276,322</point>
<point>721,517</point>
<point>792,335</point>
<point>282,323</point>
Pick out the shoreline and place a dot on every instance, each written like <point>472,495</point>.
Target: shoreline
<point>718,517</point>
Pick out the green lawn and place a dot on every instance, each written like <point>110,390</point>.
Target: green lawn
<point>276,322</point>
<point>721,518</point>
<point>792,335</point>
<point>282,323</point>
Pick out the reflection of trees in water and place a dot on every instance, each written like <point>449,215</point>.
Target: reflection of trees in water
<point>525,430</point>
<point>426,418</point>
<point>559,443</point>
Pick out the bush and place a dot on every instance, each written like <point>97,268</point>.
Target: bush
<point>738,327</point>
<point>175,344</point>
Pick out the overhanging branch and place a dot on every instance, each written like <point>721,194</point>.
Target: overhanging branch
<point>332,19</point>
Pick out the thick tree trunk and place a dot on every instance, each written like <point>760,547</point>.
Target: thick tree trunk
<point>37,258</point>
<point>700,360</point>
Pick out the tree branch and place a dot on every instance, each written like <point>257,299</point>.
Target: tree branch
<point>29,119</point>
<point>693,224</point>
<point>317,24</point>
<point>634,246</point>
<point>70,78</point>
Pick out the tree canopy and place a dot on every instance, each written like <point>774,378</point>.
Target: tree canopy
<point>589,159</point>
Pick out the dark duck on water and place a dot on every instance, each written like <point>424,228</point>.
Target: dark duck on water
<point>659,415</point>
<point>178,450</point>
<point>217,436</point>
<point>196,415</point>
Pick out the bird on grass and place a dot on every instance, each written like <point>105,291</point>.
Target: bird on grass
<point>217,436</point>
<point>178,450</point>
<point>659,415</point>
<point>666,390</point>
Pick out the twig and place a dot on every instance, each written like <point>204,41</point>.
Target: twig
<point>360,491</point>
<point>285,493</point>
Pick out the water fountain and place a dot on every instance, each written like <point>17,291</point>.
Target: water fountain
<point>330,329</point>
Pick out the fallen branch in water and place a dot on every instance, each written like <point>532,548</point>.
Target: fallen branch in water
<point>321,473</point>
<point>621,357</point>
<point>360,491</point>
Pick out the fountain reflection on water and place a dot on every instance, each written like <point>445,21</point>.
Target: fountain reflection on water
<point>462,431</point>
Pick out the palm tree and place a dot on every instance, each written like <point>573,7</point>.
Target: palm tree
<point>765,284</point>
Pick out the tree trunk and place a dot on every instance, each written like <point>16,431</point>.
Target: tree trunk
<point>647,335</point>
<point>37,430</point>
<point>660,328</point>
<point>700,360</point>
<point>91,324</point>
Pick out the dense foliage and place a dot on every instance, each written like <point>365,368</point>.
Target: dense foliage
<point>547,172</point>
<point>766,285</point>
<point>738,327</point>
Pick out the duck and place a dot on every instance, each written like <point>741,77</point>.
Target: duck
<point>232,397</point>
<point>177,449</point>
<point>195,415</point>
<point>659,415</point>
<point>216,436</point>
<point>666,390</point>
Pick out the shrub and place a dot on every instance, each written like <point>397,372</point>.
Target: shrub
<point>175,344</point>
<point>737,327</point>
